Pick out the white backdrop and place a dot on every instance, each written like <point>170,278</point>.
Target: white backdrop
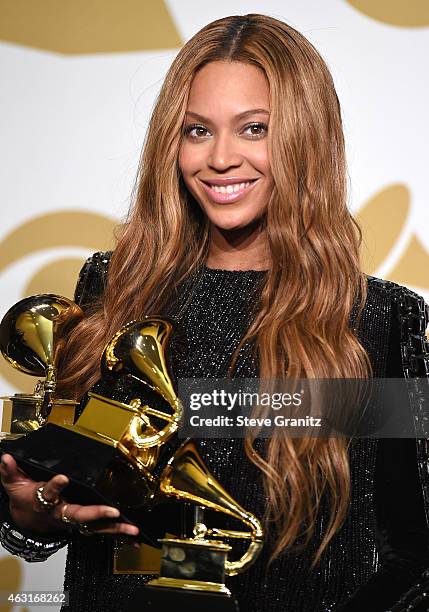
<point>72,125</point>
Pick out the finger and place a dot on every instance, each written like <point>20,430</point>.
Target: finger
<point>53,488</point>
<point>85,514</point>
<point>10,471</point>
<point>116,529</point>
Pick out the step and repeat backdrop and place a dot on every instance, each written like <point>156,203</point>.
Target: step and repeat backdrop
<point>78,82</point>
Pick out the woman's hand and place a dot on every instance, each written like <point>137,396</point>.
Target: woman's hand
<point>28,513</point>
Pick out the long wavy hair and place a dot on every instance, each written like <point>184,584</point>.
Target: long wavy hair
<point>301,328</point>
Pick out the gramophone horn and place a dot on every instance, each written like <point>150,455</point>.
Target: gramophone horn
<point>139,350</point>
<point>187,478</point>
<point>32,336</point>
<point>32,330</point>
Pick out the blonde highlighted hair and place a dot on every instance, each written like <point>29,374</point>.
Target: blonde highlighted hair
<point>301,329</point>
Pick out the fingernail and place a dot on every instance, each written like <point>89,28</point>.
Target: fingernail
<point>112,512</point>
<point>133,530</point>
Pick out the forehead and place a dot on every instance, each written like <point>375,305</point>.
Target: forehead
<point>228,88</point>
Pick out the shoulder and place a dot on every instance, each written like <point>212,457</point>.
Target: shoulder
<point>408,315</point>
<point>92,278</point>
<point>391,288</point>
<point>407,303</point>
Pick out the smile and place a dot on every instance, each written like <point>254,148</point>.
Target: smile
<point>228,193</point>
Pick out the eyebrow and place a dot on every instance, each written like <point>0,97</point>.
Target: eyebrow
<point>252,111</point>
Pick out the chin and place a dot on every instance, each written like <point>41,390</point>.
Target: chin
<point>230,222</point>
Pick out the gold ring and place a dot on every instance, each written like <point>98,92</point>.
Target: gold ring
<point>46,503</point>
<point>64,518</point>
<point>84,529</point>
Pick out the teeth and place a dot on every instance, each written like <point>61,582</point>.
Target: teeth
<point>230,188</point>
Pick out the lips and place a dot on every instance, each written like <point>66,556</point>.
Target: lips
<point>224,191</point>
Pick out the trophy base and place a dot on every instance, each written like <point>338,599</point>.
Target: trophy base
<point>5,435</point>
<point>155,598</point>
<point>54,450</point>
<point>22,414</point>
<point>98,474</point>
<point>192,575</point>
<point>191,585</point>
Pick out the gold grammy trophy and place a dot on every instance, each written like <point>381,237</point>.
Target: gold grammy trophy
<point>196,566</point>
<point>126,455</point>
<point>109,454</point>
<point>32,335</point>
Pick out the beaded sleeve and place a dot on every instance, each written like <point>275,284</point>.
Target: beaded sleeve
<point>403,486</point>
<point>92,279</point>
<point>413,318</point>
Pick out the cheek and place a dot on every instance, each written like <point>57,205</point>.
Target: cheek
<point>189,160</point>
<point>182,159</point>
<point>186,163</point>
<point>260,159</point>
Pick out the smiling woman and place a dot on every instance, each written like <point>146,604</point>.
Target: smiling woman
<point>224,160</point>
<point>240,231</point>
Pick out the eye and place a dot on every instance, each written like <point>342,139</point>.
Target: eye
<point>254,130</point>
<point>195,131</point>
<point>257,130</point>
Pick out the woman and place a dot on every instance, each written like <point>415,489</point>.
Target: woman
<point>240,231</point>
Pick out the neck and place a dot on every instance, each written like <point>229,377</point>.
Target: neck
<point>242,249</point>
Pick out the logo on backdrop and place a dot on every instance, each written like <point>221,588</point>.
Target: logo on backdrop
<point>81,27</point>
<point>410,14</point>
<point>62,229</point>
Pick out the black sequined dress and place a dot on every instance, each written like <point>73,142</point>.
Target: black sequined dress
<point>381,550</point>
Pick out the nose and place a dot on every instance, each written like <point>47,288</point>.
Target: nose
<point>224,153</point>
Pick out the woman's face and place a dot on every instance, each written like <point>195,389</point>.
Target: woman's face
<point>224,154</point>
